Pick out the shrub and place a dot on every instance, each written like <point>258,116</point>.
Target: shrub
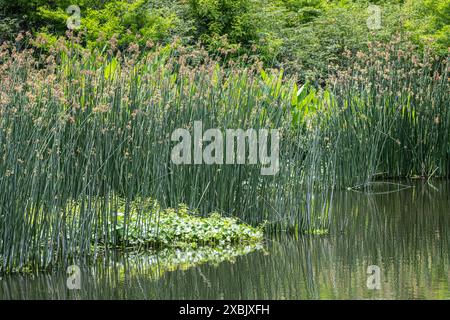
<point>231,18</point>
<point>130,22</point>
<point>429,22</point>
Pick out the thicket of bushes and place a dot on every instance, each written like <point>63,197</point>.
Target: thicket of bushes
<point>302,36</point>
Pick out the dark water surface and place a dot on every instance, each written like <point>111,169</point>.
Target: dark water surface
<point>405,232</point>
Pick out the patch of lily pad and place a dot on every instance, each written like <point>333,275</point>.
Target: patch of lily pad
<point>181,228</point>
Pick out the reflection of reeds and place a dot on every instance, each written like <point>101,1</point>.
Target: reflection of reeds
<point>404,233</point>
<point>120,269</point>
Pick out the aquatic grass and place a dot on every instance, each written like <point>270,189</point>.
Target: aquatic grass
<point>84,134</point>
<point>390,114</point>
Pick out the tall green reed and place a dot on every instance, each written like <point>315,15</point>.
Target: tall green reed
<point>85,135</point>
<point>390,115</point>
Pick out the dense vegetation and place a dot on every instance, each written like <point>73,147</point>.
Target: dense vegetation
<point>86,117</point>
<point>301,36</point>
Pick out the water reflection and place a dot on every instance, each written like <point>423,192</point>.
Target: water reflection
<point>405,233</point>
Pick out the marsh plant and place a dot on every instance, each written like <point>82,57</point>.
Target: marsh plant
<point>235,148</point>
<point>83,134</point>
<point>391,115</point>
<point>86,134</point>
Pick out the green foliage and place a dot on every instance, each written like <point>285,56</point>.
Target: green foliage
<point>429,22</point>
<point>301,36</point>
<point>303,11</point>
<point>8,28</point>
<point>224,23</point>
<point>130,22</point>
<point>147,225</point>
<point>310,43</point>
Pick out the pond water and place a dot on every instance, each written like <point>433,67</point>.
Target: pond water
<point>404,230</point>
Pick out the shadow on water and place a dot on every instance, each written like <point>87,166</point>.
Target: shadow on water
<point>404,231</point>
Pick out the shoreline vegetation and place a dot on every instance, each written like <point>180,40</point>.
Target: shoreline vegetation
<point>81,127</point>
<point>171,235</point>
<point>85,136</point>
